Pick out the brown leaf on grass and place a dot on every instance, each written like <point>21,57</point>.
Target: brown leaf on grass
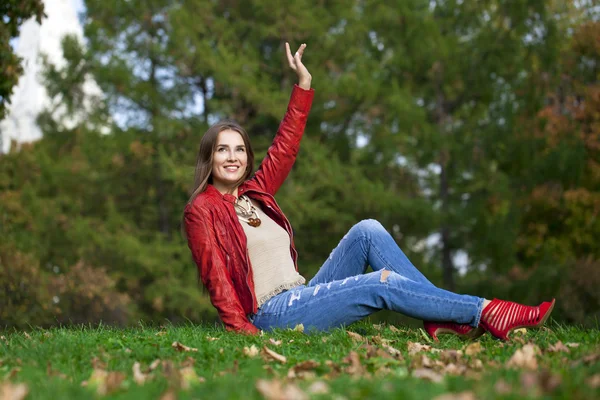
<point>303,370</point>
<point>415,347</point>
<point>138,376</point>
<point>525,357</point>
<point>27,336</point>
<point>451,356</point>
<point>188,377</point>
<point>421,361</point>
<point>454,369</point>
<point>276,390</point>
<point>355,368</point>
<point>394,329</point>
<point>593,381</point>
<point>270,355</point>
<point>51,372</point>
<point>47,335</point>
<point>520,331</point>
<point>378,326</point>
<point>12,373</point>
<point>275,342</point>
<point>160,333</point>
<point>558,346</point>
<point>251,351</point>
<point>211,339</point>
<point>355,336</point>
<point>502,387</point>
<point>169,395</point>
<point>379,340</point>
<point>13,391</point>
<point>539,382</point>
<point>154,365</point>
<point>427,374</point>
<point>4,339</point>
<point>98,363</point>
<point>571,344</point>
<point>394,352</point>
<point>299,328</point>
<point>181,347</point>
<point>318,387</point>
<point>104,382</point>
<point>473,348</point>
<point>467,395</point>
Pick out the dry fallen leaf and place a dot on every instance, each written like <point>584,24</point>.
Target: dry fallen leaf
<point>593,381</point>
<point>169,395</point>
<point>318,387</point>
<point>270,355</point>
<point>456,396</point>
<point>520,331</point>
<point>473,348</point>
<point>303,370</point>
<point>299,328</point>
<point>394,329</point>
<point>558,346</point>
<point>154,364</point>
<point>571,344</point>
<point>138,376</point>
<point>427,374</point>
<point>275,342</point>
<point>415,347</point>
<point>251,351</point>
<point>181,347</point>
<point>104,382</point>
<point>525,357</point>
<point>502,387</point>
<point>393,351</point>
<point>211,339</point>
<point>189,377</point>
<point>355,368</point>
<point>378,326</point>
<point>10,391</point>
<point>27,336</point>
<point>160,333</point>
<point>51,372</point>
<point>275,390</point>
<point>355,336</point>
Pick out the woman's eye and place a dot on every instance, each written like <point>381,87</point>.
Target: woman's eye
<point>240,149</point>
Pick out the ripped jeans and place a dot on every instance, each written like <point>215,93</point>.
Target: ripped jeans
<point>342,293</point>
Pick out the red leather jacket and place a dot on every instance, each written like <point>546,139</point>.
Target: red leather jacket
<point>215,236</point>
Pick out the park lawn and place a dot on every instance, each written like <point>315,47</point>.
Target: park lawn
<point>366,361</point>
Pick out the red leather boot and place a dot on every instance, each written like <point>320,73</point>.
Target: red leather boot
<point>501,317</point>
<point>463,331</point>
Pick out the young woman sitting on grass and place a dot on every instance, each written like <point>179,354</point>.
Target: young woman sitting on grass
<point>243,246</point>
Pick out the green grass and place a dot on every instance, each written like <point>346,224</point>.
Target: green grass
<point>53,363</point>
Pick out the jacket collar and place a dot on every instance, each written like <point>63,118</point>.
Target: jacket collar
<point>215,194</point>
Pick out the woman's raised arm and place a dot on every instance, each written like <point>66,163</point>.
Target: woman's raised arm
<point>281,156</point>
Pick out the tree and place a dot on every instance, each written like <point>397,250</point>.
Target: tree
<point>13,14</point>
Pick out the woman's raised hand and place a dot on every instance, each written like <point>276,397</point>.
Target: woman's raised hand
<point>295,61</point>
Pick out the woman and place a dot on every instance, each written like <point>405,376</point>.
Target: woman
<point>243,246</point>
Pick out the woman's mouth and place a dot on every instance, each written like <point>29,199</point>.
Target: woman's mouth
<point>232,168</point>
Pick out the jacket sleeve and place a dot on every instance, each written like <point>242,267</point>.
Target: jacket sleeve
<point>213,272</point>
<point>281,156</point>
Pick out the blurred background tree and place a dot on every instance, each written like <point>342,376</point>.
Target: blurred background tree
<point>468,128</point>
<point>14,13</point>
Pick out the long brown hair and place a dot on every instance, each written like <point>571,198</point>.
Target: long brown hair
<point>204,161</point>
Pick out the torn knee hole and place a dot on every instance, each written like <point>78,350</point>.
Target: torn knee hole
<point>384,275</point>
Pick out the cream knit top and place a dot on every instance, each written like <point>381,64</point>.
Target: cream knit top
<point>269,251</point>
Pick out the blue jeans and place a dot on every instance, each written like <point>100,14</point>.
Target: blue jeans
<point>341,292</point>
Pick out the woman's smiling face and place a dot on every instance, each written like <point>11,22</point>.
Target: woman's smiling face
<point>229,160</point>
